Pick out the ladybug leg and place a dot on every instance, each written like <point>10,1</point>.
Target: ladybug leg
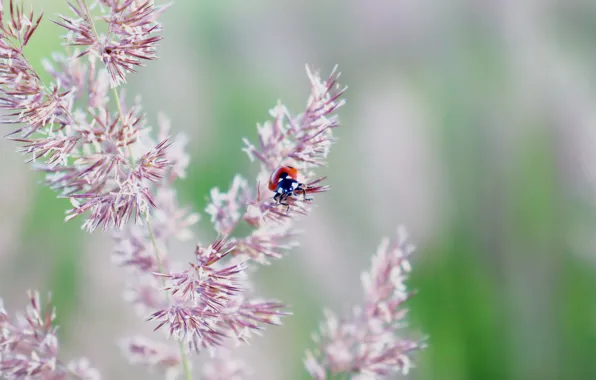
<point>283,201</point>
<point>280,198</point>
<point>301,188</point>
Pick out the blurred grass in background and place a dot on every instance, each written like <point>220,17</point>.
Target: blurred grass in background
<point>471,123</point>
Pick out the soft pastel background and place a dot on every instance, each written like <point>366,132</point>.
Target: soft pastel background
<point>471,122</point>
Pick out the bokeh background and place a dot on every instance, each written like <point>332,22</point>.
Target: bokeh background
<point>470,122</point>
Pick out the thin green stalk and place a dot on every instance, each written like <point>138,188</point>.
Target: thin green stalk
<point>114,90</point>
<point>183,355</point>
<point>116,96</point>
<point>117,99</point>
<point>90,19</point>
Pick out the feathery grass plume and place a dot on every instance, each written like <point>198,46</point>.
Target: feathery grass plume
<point>302,141</point>
<point>305,138</point>
<point>29,346</point>
<point>24,96</point>
<point>131,38</point>
<point>209,301</point>
<point>366,343</point>
<point>103,161</point>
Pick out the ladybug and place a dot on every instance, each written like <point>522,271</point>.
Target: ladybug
<point>284,182</point>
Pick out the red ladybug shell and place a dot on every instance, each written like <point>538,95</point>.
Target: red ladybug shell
<point>291,171</point>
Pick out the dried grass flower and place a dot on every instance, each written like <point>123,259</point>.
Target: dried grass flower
<point>368,342</point>
<point>132,33</point>
<point>29,346</point>
<point>103,160</point>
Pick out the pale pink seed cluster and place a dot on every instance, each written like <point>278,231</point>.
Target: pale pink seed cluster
<point>102,159</point>
<point>29,346</point>
<point>25,97</point>
<point>369,343</point>
<point>210,301</point>
<point>205,304</point>
<point>131,38</point>
<point>302,141</point>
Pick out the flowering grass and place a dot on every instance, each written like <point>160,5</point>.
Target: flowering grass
<point>98,150</point>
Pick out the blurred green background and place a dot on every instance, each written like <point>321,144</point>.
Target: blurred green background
<point>471,123</point>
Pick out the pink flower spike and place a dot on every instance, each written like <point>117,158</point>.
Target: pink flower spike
<point>368,342</point>
<point>29,346</point>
